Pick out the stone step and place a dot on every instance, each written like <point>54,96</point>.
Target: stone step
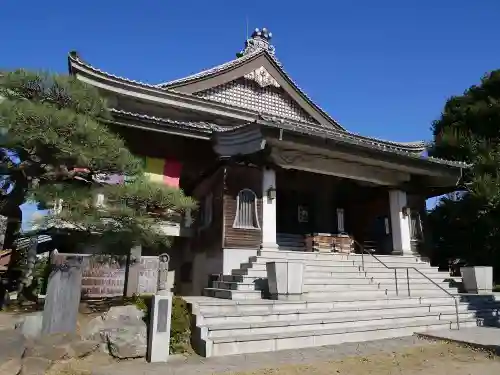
<point>259,270</point>
<point>364,294</point>
<point>378,271</point>
<point>362,280</point>
<point>270,306</point>
<point>233,294</point>
<point>261,273</point>
<point>293,340</point>
<point>337,262</point>
<point>240,329</point>
<point>328,256</point>
<point>208,318</point>
<point>375,286</point>
<point>335,267</point>
<point>355,277</point>
<point>323,284</point>
<point>233,285</point>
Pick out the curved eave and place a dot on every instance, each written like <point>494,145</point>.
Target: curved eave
<point>200,130</point>
<point>127,87</point>
<point>416,148</point>
<point>211,72</point>
<point>147,92</point>
<point>382,150</point>
<point>252,138</point>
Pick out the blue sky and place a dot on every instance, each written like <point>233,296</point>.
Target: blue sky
<point>381,68</point>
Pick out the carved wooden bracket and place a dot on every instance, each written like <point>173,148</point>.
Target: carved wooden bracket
<point>262,77</point>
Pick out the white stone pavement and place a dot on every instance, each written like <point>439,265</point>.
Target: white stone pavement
<point>482,337</point>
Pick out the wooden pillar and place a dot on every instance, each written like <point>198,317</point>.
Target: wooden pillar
<point>400,222</point>
<point>269,240</point>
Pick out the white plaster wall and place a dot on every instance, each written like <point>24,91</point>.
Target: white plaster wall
<point>232,258</point>
<point>400,224</point>
<point>268,224</point>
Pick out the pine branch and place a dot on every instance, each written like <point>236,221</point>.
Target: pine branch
<point>55,146</point>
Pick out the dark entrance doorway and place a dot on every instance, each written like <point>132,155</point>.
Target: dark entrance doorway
<point>295,211</point>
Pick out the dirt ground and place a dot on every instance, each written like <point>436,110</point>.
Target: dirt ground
<point>436,359</point>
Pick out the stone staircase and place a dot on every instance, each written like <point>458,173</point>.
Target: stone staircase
<point>334,274</point>
<point>342,301</point>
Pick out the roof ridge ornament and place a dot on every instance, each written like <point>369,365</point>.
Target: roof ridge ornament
<point>259,40</point>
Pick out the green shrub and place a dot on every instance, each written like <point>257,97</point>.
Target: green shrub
<point>141,302</point>
<point>41,274</point>
<point>180,328</point>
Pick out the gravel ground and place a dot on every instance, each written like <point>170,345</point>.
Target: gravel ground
<point>408,356</point>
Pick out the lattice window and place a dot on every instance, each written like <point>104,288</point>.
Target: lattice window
<point>416,229</point>
<point>340,220</point>
<point>248,94</point>
<point>246,210</point>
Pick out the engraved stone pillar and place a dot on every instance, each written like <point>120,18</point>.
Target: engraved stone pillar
<point>63,297</point>
<point>159,337</point>
<point>134,269</point>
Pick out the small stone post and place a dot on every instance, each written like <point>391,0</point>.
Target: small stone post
<point>161,313</point>
<point>63,296</point>
<point>134,267</point>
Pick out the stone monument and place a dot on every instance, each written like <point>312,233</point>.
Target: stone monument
<point>161,313</point>
<point>60,311</point>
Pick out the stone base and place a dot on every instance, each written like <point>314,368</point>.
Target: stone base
<point>477,280</point>
<point>159,335</point>
<point>269,246</point>
<point>285,278</point>
<point>404,252</point>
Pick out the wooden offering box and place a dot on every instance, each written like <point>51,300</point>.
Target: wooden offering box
<point>328,243</point>
<point>321,242</point>
<point>343,243</point>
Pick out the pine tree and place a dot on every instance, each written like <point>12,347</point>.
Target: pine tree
<point>469,130</point>
<point>56,147</point>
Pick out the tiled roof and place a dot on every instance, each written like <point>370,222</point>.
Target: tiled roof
<point>208,72</point>
<point>415,147</point>
<point>240,61</point>
<point>24,242</point>
<point>201,126</point>
<point>410,147</point>
<point>390,147</point>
